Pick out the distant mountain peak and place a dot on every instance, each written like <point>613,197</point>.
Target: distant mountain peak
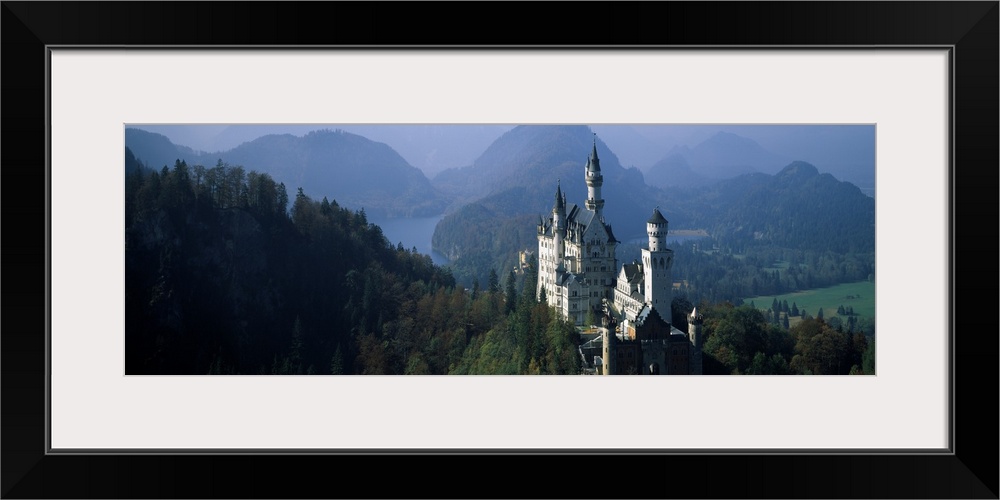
<point>799,169</point>
<point>728,138</point>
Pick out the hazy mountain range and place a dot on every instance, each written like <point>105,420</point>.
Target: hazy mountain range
<point>431,148</point>
<point>512,184</point>
<point>354,171</point>
<point>727,183</point>
<point>846,151</point>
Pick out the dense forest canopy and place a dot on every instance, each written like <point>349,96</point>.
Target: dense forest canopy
<point>224,277</point>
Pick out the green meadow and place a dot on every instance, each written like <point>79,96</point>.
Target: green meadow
<point>860,296</point>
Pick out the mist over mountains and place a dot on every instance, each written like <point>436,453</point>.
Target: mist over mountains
<point>846,151</point>
<point>500,198</point>
<point>726,183</point>
<point>529,161</point>
<point>353,170</point>
<point>431,148</point>
<point>721,156</point>
<point>798,208</point>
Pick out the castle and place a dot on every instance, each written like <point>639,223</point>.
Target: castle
<point>577,276</point>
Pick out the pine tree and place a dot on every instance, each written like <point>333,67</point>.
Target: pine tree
<point>494,283</point>
<point>337,362</point>
<point>511,292</point>
<point>295,358</point>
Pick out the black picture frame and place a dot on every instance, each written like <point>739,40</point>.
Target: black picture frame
<point>971,28</point>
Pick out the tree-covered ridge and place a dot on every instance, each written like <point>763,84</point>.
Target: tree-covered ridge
<point>358,172</point>
<point>797,208</point>
<point>221,277</point>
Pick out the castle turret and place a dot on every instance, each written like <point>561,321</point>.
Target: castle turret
<point>656,263</point>
<point>695,321</point>
<point>608,354</point>
<point>594,182</point>
<point>559,222</point>
<point>656,229</point>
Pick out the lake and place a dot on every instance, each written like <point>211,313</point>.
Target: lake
<point>412,232</point>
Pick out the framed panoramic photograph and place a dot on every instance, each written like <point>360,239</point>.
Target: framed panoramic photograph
<point>330,251</point>
<point>225,274</point>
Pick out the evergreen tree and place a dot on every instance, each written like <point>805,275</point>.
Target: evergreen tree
<point>795,309</point>
<point>511,292</point>
<point>819,315</point>
<point>282,199</point>
<point>868,359</point>
<point>494,283</point>
<point>295,357</point>
<point>337,362</point>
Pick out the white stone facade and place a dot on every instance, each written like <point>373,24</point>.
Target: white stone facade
<point>576,252</point>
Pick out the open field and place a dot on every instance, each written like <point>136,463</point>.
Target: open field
<point>860,296</point>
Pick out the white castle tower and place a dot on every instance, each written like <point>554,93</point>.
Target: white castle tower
<point>559,224</point>
<point>695,322</point>
<point>656,263</point>
<point>576,251</point>
<point>594,182</point>
<point>608,353</point>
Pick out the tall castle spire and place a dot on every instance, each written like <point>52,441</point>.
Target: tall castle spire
<point>559,221</point>
<point>594,181</point>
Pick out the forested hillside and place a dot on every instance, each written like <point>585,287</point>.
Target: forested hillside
<point>796,208</point>
<point>743,341</point>
<point>222,277</point>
